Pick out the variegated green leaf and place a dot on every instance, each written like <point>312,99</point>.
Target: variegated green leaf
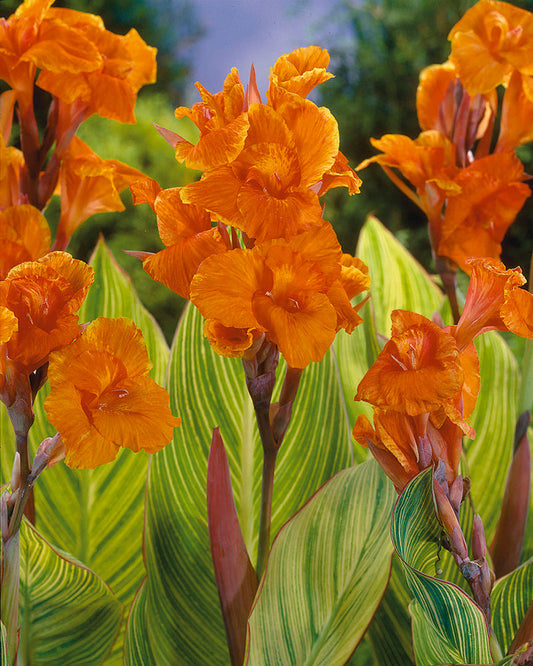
<point>97,515</point>
<point>398,280</point>
<point>453,625</point>
<point>68,615</point>
<point>510,599</point>
<point>3,644</point>
<point>326,573</point>
<point>183,614</point>
<point>136,645</point>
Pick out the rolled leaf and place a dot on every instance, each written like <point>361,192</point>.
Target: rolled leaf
<point>234,574</point>
<point>446,620</point>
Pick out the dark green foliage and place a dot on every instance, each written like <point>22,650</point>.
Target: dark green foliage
<point>374,93</point>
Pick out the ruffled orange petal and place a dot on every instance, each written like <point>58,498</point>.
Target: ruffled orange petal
<point>102,397</point>
<point>340,175</point>
<point>176,265</point>
<point>316,137</point>
<point>354,275</point>
<point>44,295</point>
<point>347,316</point>
<point>24,236</point>
<point>8,324</point>
<point>145,191</point>
<point>305,332</point>
<point>418,369</point>
<point>517,312</point>
<point>229,341</point>
<point>225,284</point>
<point>490,285</point>
<point>217,192</point>
<point>300,71</point>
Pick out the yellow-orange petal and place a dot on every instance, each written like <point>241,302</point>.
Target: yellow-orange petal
<point>225,284</point>
<point>299,71</point>
<point>177,220</point>
<point>145,190</point>
<point>418,369</point>
<point>340,175</point>
<point>8,324</point>
<point>24,236</point>
<point>347,316</point>
<point>433,84</point>
<point>176,265</point>
<point>516,125</point>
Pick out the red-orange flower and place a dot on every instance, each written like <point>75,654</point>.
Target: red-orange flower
<point>102,398</point>
<point>189,236</point>
<point>44,296</point>
<point>24,236</point>
<point>8,326</point>
<point>89,185</point>
<point>491,41</point>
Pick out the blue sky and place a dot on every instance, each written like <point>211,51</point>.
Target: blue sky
<point>239,32</point>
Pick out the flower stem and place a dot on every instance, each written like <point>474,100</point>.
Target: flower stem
<point>267,487</point>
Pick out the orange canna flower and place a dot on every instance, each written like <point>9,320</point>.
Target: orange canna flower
<point>281,288</point>
<point>125,64</point>
<point>492,40</point>
<point>44,296</point>
<point>418,370</point>
<point>24,236</point>
<point>189,237</point>
<point>494,301</point>
<point>89,185</point>
<point>222,123</point>
<point>33,39</point>
<point>102,398</point>
<point>266,192</point>
<point>476,219</point>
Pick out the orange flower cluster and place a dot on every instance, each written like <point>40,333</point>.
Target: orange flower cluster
<point>272,268</point>
<point>470,196</point>
<point>102,396</point>
<point>425,382</point>
<point>87,70</point>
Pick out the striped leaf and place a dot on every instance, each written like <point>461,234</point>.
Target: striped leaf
<point>182,608</point>
<point>326,573</point>
<point>510,599</point>
<point>398,280</point>
<point>447,623</point>
<point>3,644</point>
<point>97,515</point>
<point>68,615</point>
<point>136,645</point>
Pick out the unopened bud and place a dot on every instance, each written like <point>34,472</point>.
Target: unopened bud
<point>458,543</point>
<point>424,452</point>
<point>479,544</point>
<point>4,524</point>
<point>51,450</point>
<point>456,494</point>
<point>15,473</point>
